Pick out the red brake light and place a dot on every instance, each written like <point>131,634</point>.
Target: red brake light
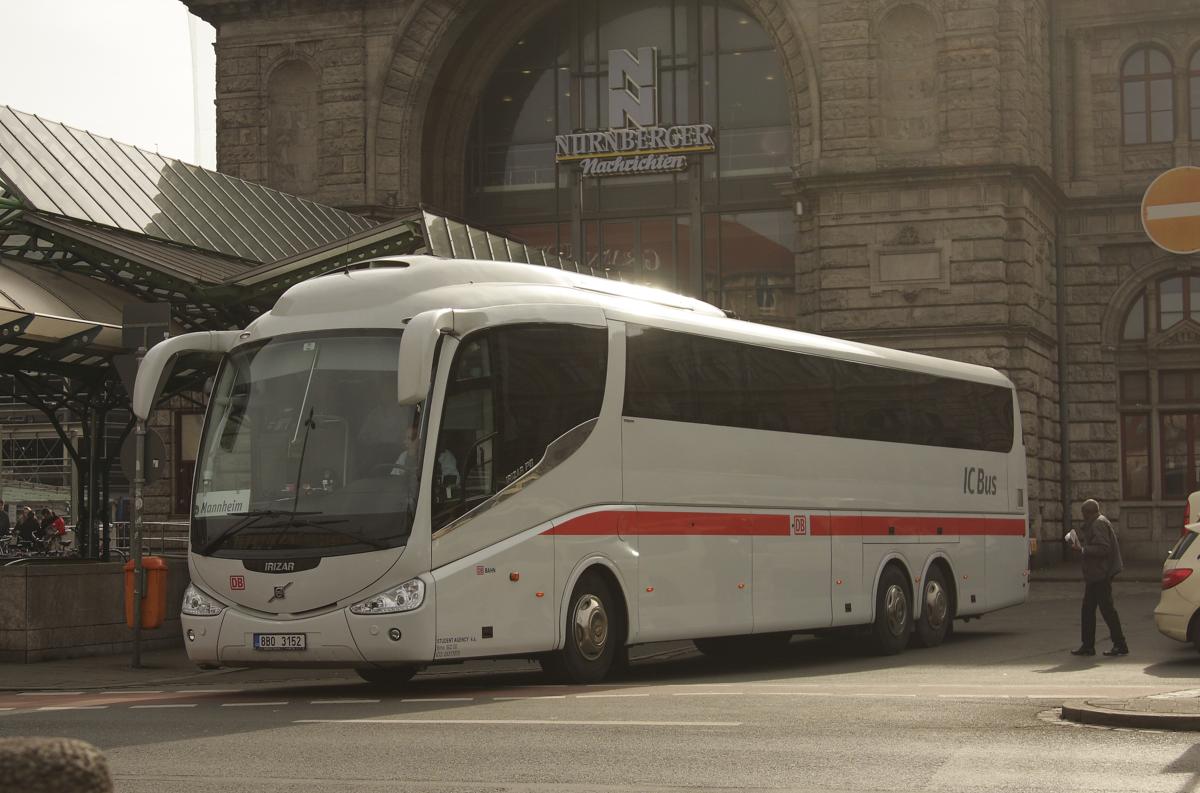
<point>1174,577</point>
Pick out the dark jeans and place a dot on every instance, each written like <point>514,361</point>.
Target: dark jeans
<point>1099,593</point>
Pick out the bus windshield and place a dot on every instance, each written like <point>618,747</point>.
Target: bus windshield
<point>305,451</point>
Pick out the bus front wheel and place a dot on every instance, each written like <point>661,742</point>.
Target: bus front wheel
<point>391,677</point>
<point>893,624</point>
<point>594,629</point>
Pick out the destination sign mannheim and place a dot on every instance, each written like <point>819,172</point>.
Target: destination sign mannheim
<point>640,145</point>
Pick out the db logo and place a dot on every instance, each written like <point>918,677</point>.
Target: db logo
<point>237,582</point>
<point>799,525</point>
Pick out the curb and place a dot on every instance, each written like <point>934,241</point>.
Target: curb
<point>1084,712</point>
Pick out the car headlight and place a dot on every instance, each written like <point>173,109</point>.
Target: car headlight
<point>405,597</point>
<point>198,604</point>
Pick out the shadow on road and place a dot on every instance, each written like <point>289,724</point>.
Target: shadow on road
<point>1187,763</point>
<point>1071,663</point>
<point>1187,664</point>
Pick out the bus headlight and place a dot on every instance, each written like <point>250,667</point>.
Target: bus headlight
<point>405,597</point>
<point>198,604</point>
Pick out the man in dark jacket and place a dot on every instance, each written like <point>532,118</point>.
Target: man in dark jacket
<point>1101,562</point>
<point>28,527</point>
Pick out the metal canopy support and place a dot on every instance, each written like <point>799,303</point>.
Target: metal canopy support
<point>89,401</point>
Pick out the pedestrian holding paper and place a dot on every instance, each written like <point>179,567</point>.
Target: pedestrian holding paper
<point>1097,540</point>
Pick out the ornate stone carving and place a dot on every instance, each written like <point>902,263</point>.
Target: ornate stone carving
<point>1185,334</point>
<point>908,236</point>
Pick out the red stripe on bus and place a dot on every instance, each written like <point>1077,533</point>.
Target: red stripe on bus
<point>749,524</point>
<point>708,523</point>
<point>917,526</point>
<point>673,523</point>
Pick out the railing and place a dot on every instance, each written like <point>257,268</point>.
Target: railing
<point>158,537</point>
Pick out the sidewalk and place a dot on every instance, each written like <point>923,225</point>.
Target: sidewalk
<point>172,667</point>
<point>159,668</point>
<point>1178,710</point>
<point>1135,572</point>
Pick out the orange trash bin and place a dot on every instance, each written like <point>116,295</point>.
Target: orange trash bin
<point>154,599</point>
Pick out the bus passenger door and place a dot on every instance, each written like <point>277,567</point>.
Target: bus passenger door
<point>851,598</point>
<point>791,574</point>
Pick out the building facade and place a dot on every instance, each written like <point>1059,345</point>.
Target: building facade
<point>955,177</point>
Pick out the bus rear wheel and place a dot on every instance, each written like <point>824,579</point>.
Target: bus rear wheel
<point>893,624</point>
<point>594,629</point>
<point>937,610</point>
<point>390,677</point>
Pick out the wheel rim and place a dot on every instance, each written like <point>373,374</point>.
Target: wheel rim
<point>937,605</point>
<point>895,605</point>
<point>591,627</point>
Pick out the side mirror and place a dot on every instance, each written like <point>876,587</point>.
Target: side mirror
<point>417,347</point>
<point>153,371</point>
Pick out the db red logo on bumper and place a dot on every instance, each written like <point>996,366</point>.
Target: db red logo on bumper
<point>237,582</point>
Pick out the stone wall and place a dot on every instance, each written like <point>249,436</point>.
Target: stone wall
<point>956,263</point>
<point>1108,259</point>
<point>61,610</point>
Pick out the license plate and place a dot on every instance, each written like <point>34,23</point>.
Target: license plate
<point>280,641</point>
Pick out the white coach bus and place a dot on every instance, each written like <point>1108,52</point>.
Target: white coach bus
<point>430,460</point>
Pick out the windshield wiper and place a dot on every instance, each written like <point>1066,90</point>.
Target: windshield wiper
<point>326,525</point>
<point>249,518</point>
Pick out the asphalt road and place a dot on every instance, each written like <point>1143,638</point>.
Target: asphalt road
<point>976,714</point>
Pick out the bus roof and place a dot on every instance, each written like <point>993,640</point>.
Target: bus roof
<point>387,292</point>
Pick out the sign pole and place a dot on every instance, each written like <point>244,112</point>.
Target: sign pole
<point>143,326</point>
<point>135,529</point>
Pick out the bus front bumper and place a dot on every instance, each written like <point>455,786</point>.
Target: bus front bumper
<point>332,639</point>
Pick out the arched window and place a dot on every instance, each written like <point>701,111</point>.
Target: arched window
<point>1159,396</point>
<point>1134,328</point>
<point>703,63</point>
<point>1194,93</point>
<point>1147,101</point>
<point>1178,299</point>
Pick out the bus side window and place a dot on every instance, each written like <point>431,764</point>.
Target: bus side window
<point>512,391</point>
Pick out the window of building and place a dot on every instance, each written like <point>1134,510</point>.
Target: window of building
<point>512,391</point>
<point>1147,97</point>
<point>717,65</point>
<point>1134,328</point>
<point>1179,385</point>
<point>1194,94</point>
<point>682,377</point>
<point>1180,434</point>
<point>1135,456</point>
<point>1178,299</point>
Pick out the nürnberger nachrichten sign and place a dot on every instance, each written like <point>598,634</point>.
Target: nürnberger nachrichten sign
<point>639,145</point>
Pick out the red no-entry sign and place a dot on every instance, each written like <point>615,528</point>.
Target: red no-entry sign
<point>1171,210</point>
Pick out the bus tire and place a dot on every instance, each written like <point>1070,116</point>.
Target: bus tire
<point>389,677</point>
<point>893,624</point>
<point>594,629</point>
<point>937,610</point>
